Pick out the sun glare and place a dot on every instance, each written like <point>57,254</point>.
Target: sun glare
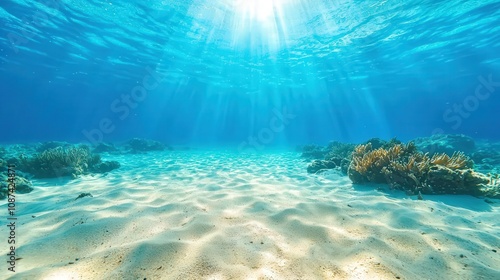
<point>260,10</point>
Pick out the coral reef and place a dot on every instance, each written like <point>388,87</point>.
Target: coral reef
<point>335,155</point>
<point>487,153</point>
<point>367,164</point>
<point>493,188</point>
<point>313,152</point>
<point>446,143</point>
<point>103,167</point>
<point>338,150</point>
<point>441,164</point>
<point>51,145</point>
<point>379,143</point>
<point>138,145</point>
<point>104,148</point>
<point>457,161</point>
<point>23,185</point>
<point>319,165</point>
<point>444,180</point>
<point>60,162</point>
<point>405,168</point>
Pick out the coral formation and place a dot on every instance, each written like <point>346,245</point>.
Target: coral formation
<point>488,154</point>
<point>379,143</point>
<point>23,185</point>
<point>313,152</point>
<point>405,168</point>
<point>335,155</point>
<point>446,143</point>
<point>60,162</point>
<point>445,180</point>
<point>103,167</point>
<point>457,161</point>
<point>138,145</point>
<point>493,188</point>
<point>104,147</point>
<point>319,165</point>
<point>338,150</point>
<point>433,165</point>
<point>368,164</point>
<point>51,145</point>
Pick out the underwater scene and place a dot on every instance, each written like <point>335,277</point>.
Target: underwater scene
<point>249,139</point>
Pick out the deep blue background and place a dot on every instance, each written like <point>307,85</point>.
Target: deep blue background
<point>373,88</point>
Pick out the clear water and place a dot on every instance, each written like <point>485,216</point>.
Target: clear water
<point>345,70</point>
<point>216,79</point>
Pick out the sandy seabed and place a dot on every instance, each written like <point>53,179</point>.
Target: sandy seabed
<point>224,215</point>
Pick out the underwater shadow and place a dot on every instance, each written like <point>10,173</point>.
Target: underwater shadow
<point>465,201</point>
<point>52,182</point>
<point>378,189</point>
<point>460,201</point>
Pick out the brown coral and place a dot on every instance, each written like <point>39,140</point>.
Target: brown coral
<point>368,165</point>
<point>444,180</point>
<point>457,161</point>
<point>404,168</point>
<point>60,162</point>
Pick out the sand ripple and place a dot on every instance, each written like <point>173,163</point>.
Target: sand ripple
<point>223,215</point>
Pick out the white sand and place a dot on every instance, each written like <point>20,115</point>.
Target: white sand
<point>206,215</point>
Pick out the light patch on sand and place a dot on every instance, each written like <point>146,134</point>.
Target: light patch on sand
<point>222,215</point>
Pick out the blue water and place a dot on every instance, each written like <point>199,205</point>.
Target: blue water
<point>225,72</point>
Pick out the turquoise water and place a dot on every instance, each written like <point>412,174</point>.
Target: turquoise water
<point>173,139</point>
<point>218,72</point>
